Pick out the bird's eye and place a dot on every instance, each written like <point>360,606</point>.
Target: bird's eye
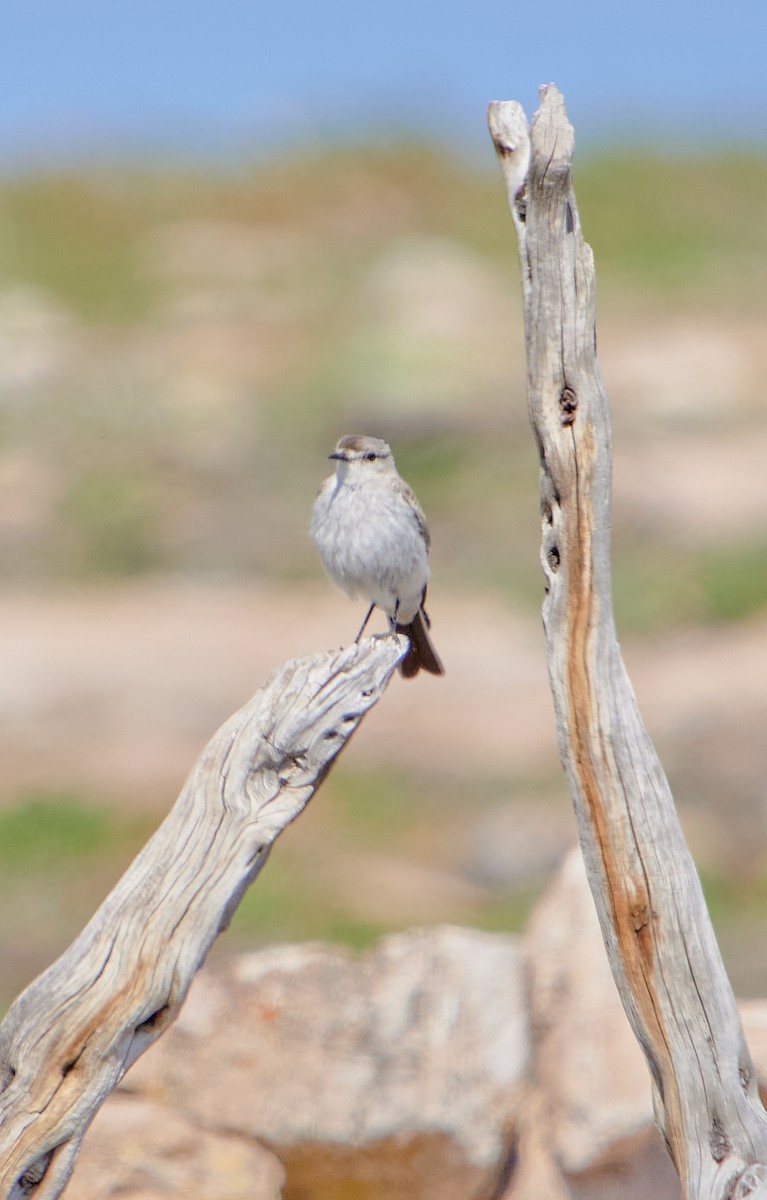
<point>371,457</point>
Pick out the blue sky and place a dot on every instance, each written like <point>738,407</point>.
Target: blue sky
<point>216,76</point>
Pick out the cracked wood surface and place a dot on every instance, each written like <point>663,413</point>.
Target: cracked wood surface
<point>71,1036</point>
<point>652,913</point>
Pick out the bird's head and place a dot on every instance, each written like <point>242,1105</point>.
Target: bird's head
<point>358,456</point>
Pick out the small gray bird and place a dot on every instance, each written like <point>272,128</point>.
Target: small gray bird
<point>373,542</point>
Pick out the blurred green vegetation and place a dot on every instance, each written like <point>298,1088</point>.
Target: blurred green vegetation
<point>61,853</point>
<point>283,906</point>
<point>48,832</point>
<point>224,326</point>
<point>656,586</point>
<point>687,230</point>
<point>114,513</point>
<point>737,903</point>
<point>51,831</point>
<point>684,227</point>
<point>73,236</point>
<point>406,817</point>
<point>734,580</point>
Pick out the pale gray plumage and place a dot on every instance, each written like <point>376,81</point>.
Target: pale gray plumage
<point>373,541</point>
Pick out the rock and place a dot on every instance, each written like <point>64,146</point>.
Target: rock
<point>586,1061</point>
<point>398,1071</point>
<point>139,1150</point>
<point>753,1014</point>
<point>587,1129</point>
<point>518,842</point>
<point>535,1173</point>
<point>412,1070</point>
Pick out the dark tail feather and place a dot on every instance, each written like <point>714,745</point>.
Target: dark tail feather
<point>421,656</point>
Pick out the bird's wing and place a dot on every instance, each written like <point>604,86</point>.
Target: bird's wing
<point>408,495</point>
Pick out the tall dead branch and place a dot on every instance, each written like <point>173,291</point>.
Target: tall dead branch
<point>653,916</point>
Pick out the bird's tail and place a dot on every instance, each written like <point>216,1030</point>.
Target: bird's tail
<point>421,656</point>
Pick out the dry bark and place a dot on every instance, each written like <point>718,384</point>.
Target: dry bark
<point>71,1036</point>
<point>652,913</point>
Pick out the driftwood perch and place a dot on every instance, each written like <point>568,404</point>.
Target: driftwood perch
<point>653,916</point>
<point>71,1036</point>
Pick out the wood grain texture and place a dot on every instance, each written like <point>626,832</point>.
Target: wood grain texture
<point>71,1036</point>
<point>652,913</point>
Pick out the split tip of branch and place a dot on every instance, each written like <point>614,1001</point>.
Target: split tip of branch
<point>377,655</point>
<point>363,668</point>
<point>552,133</point>
<point>549,137</point>
<point>315,701</point>
<point>508,125</point>
<point>510,132</point>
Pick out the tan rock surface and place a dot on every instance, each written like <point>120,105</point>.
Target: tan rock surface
<point>139,1150</point>
<point>404,1064</point>
<point>587,1062</point>
<point>404,1071</point>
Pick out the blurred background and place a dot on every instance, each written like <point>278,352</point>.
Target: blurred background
<point>231,233</point>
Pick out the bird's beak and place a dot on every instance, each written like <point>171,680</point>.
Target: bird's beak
<point>335,455</point>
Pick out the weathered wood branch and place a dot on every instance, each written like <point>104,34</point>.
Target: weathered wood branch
<point>71,1036</point>
<point>653,916</point>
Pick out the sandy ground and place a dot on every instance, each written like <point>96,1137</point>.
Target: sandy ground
<point>119,688</point>
<point>116,689</point>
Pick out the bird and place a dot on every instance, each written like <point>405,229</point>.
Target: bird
<point>373,541</point>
